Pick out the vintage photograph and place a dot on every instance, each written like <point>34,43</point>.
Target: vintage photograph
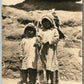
<point>42,41</point>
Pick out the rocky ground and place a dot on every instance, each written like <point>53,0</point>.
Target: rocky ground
<point>69,50</point>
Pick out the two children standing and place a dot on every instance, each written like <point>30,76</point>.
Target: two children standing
<point>43,45</point>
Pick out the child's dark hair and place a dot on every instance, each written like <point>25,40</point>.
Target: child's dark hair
<point>27,29</point>
<point>45,19</point>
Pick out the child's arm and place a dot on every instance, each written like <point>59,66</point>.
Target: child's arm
<point>38,41</point>
<point>55,38</point>
<point>21,45</point>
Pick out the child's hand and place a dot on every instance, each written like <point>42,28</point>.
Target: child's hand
<point>37,45</point>
<point>21,58</point>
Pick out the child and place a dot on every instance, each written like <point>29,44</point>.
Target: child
<point>28,55</point>
<point>50,38</point>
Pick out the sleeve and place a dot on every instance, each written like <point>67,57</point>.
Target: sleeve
<point>55,38</point>
<point>38,41</point>
<point>39,37</point>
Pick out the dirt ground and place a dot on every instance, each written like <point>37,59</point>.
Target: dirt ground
<point>14,81</point>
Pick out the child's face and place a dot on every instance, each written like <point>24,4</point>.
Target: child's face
<point>46,24</point>
<point>30,33</point>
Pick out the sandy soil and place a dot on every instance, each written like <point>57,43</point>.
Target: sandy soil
<point>14,81</point>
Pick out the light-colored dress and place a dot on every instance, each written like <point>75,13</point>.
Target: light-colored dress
<point>28,49</point>
<point>48,52</point>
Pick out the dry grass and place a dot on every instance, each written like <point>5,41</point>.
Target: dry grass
<point>70,66</point>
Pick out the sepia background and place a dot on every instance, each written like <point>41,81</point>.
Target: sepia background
<point>17,13</point>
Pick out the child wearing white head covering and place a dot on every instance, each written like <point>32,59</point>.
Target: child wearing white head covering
<point>50,38</point>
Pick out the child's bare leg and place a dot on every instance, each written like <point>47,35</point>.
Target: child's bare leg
<point>32,76</point>
<point>51,77</point>
<point>57,77</point>
<point>54,77</point>
<point>47,74</point>
<point>23,74</point>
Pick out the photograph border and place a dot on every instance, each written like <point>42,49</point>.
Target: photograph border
<point>83,42</point>
<point>1,42</point>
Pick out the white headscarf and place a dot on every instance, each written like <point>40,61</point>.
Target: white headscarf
<point>50,17</point>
